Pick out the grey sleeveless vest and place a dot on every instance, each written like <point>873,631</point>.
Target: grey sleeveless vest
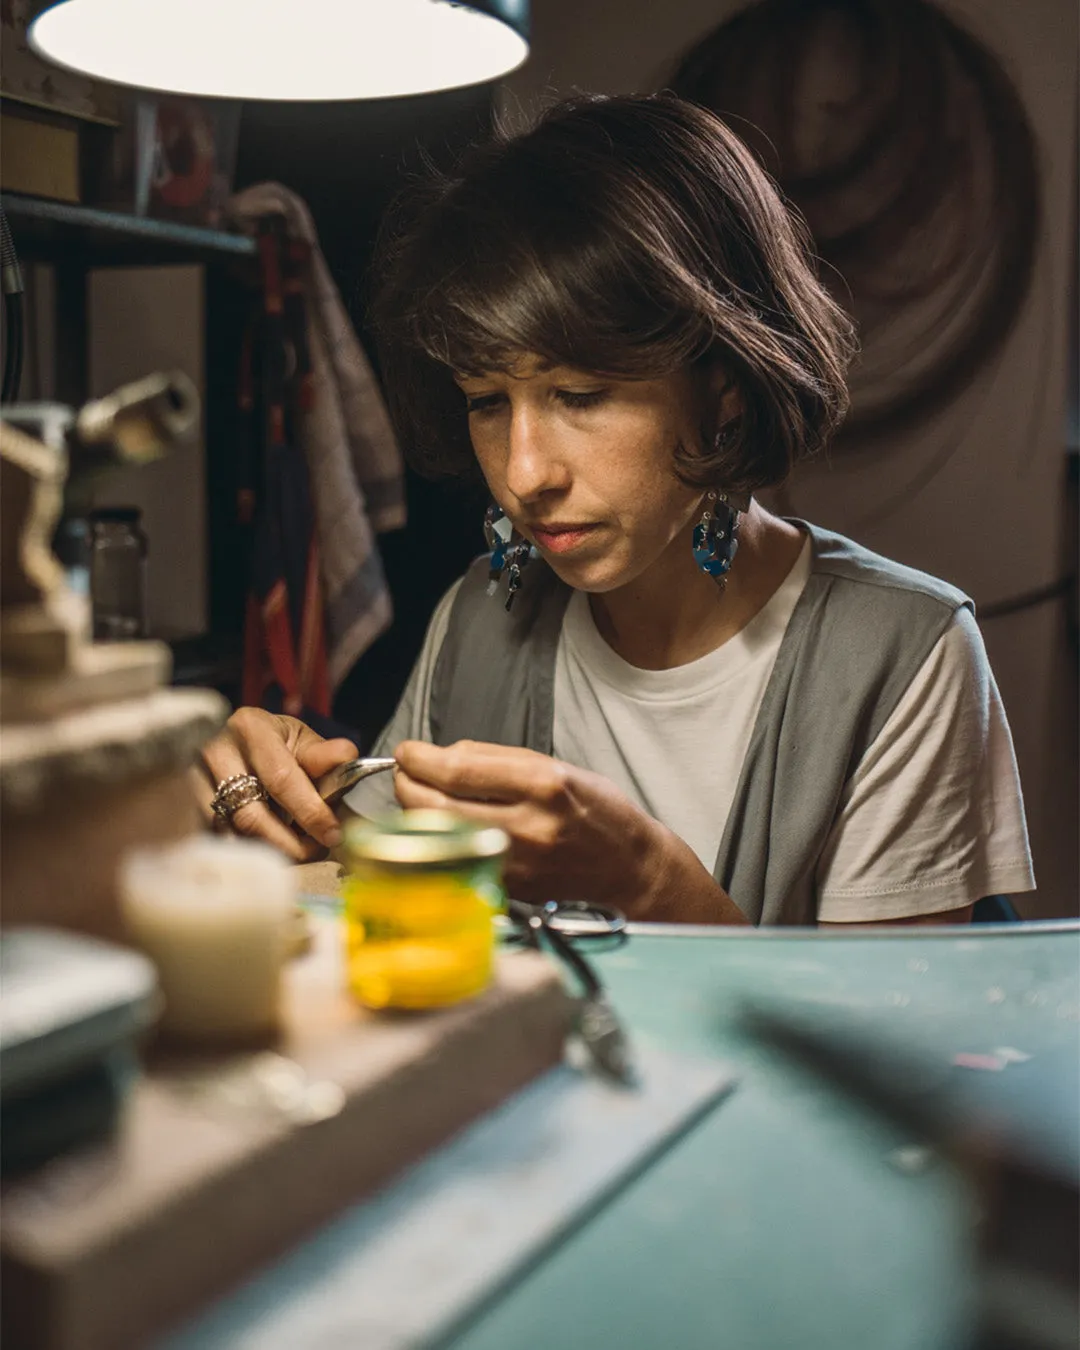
<point>859,633</point>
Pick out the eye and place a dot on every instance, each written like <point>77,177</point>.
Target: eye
<point>483,403</point>
<point>573,398</point>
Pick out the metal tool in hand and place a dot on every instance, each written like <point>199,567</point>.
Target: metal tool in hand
<point>332,786</point>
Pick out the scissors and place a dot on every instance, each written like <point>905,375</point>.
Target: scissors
<point>560,925</point>
<point>578,920</point>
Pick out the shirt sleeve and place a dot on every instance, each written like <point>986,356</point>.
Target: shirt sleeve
<point>933,817</point>
<point>411,720</point>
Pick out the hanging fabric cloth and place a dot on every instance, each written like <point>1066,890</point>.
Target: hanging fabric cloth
<point>284,640</point>
<point>322,472</point>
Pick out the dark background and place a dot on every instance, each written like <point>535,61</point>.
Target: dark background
<point>348,161</point>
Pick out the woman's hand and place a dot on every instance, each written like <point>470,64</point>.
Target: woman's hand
<point>574,836</point>
<point>285,755</point>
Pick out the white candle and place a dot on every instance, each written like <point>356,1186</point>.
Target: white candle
<point>213,915</point>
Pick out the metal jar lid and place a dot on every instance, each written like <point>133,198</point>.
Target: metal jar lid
<point>424,839</point>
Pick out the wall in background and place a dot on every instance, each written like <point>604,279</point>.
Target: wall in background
<point>39,359</point>
<point>978,494</point>
<point>142,320</point>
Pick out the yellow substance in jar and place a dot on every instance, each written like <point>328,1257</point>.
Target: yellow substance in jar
<point>419,939</point>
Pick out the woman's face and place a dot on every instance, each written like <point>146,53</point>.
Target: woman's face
<point>584,465</point>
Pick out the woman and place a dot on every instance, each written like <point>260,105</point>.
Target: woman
<point>684,704</point>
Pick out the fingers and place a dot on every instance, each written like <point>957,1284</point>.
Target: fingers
<point>482,772</point>
<point>525,880</point>
<point>257,821</point>
<point>257,742</point>
<point>278,771</point>
<point>316,756</point>
<point>416,796</point>
<point>224,759</point>
<point>270,745</point>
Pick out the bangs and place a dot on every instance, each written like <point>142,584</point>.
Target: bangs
<point>547,282</point>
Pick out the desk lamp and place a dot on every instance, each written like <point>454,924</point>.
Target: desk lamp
<point>317,50</point>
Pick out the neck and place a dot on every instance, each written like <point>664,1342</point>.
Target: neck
<point>673,613</point>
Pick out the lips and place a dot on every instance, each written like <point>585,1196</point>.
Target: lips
<point>561,538</point>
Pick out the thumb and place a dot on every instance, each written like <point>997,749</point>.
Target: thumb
<point>316,756</point>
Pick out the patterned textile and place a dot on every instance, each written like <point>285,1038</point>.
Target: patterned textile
<point>331,474</point>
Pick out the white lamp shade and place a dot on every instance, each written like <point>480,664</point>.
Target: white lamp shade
<point>280,49</point>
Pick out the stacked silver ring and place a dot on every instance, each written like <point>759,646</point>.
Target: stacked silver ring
<point>232,793</point>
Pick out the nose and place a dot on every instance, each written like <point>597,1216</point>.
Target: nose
<point>534,466</point>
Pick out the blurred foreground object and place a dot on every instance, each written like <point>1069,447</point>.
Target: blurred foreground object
<point>94,751</point>
<point>1027,1187</point>
<point>101,1248</point>
<point>421,895</point>
<point>71,1008</point>
<point>137,423</point>
<point>223,1161</point>
<point>215,916</point>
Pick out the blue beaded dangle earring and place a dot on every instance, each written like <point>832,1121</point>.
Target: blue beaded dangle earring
<point>715,540</point>
<point>715,537</point>
<point>510,552</point>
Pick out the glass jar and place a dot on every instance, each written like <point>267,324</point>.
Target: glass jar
<point>421,892</point>
<point>117,573</point>
<point>71,544</point>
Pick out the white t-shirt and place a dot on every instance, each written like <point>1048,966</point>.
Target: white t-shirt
<point>932,819</point>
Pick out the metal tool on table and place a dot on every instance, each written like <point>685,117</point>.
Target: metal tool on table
<point>561,926</point>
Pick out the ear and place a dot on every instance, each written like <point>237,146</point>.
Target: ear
<point>725,396</point>
<point>726,406</point>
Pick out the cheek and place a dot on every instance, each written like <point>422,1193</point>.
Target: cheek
<point>673,511</point>
<point>667,506</point>
<point>491,462</point>
<point>648,482</point>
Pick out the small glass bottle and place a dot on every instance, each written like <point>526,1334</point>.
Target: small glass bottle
<point>71,544</point>
<point>421,893</point>
<point>118,573</point>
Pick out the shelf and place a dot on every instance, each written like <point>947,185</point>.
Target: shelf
<point>48,231</point>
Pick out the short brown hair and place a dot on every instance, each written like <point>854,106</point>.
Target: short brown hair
<point>629,236</point>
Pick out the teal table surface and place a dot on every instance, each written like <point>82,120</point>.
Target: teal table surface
<point>786,1217</point>
<point>794,1214</point>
